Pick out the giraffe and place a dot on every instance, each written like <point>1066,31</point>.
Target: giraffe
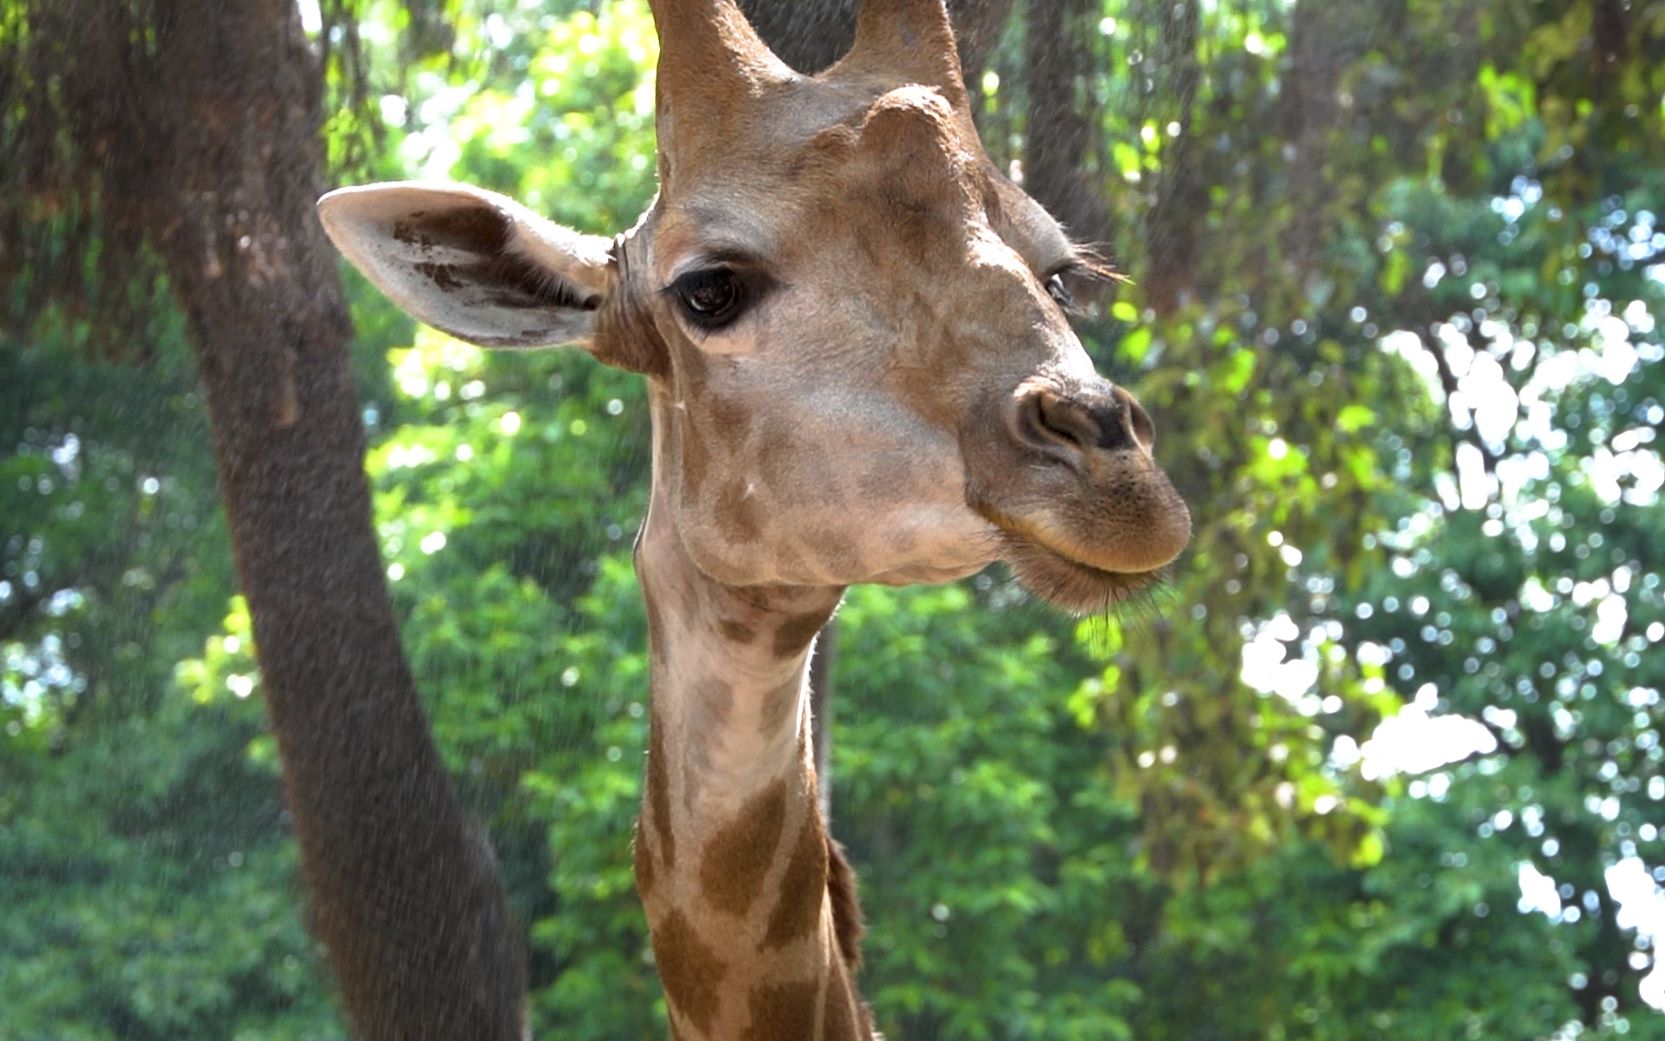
<point>860,369</point>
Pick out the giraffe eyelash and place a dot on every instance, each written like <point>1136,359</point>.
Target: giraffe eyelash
<point>1082,275</point>
<point>1094,265</point>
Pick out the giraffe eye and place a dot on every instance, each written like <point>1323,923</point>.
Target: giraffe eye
<point>1059,291</point>
<point>712,298</point>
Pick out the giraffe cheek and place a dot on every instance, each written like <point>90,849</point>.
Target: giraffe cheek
<point>720,558</point>
<point>736,513</point>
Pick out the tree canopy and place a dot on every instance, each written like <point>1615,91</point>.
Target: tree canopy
<point>1382,762</point>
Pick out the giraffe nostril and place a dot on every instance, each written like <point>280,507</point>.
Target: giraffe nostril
<point>1069,426</point>
<point>1066,421</point>
<point>1041,422</point>
<point>1138,420</point>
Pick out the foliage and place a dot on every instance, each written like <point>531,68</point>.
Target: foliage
<point>1397,274</point>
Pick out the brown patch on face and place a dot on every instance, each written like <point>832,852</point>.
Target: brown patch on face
<point>798,909</point>
<point>736,513</point>
<point>837,552</point>
<point>736,632</point>
<point>775,447</point>
<point>877,483</point>
<point>695,374</point>
<point>729,419</point>
<point>739,855</point>
<point>659,793</point>
<point>783,1012</point>
<point>795,634</point>
<point>689,970</point>
<point>642,859</point>
<point>790,559</point>
<point>695,461</point>
<point>870,241</point>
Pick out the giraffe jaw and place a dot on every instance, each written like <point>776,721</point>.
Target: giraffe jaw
<point>926,575</point>
<point>1119,563</point>
<point>1069,584</point>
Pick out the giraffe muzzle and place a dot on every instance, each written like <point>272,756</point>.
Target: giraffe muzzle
<point>1087,516</point>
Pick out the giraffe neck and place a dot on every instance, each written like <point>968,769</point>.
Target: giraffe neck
<point>732,856</point>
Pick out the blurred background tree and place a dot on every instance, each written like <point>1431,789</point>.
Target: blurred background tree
<point>1384,762</point>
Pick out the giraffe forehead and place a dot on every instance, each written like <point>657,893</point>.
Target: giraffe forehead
<point>781,119</point>
<point>828,150</point>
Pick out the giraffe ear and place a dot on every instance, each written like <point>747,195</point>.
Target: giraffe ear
<point>473,263</point>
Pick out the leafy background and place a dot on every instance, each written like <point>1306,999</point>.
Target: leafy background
<point>1397,272</point>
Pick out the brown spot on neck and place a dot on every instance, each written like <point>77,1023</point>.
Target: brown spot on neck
<point>846,906</point>
<point>642,860</point>
<point>841,1019</point>
<point>803,887</point>
<point>739,855</point>
<point>656,623</point>
<point>736,632</point>
<point>659,792</point>
<point>781,707</point>
<point>783,1012</point>
<point>795,634</point>
<point>689,970</point>
<point>715,697</point>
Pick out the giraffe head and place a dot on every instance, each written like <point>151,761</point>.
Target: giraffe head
<point>854,326</point>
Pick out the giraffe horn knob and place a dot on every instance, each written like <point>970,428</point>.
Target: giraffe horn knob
<point>913,38</point>
<point>704,44</point>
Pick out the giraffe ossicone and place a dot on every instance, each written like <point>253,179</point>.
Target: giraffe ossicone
<point>859,370</point>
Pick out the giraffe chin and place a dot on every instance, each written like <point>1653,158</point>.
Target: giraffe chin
<point>926,576</point>
<point>1080,589</point>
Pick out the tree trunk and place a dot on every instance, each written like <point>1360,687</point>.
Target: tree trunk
<point>1173,226</point>
<point>1061,136</point>
<point>810,35</point>
<point>404,892</point>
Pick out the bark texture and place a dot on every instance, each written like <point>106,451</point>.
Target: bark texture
<point>1061,137</point>
<point>213,118</point>
<point>810,35</point>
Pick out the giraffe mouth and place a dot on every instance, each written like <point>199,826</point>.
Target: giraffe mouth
<point>1067,583</point>
<point>1064,580</point>
<point>1058,574</point>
